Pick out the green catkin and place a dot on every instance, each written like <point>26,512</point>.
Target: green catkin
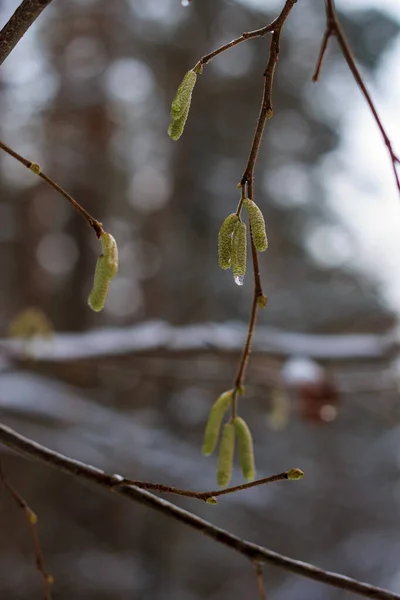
<point>225,240</point>
<point>177,126</point>
<point>239,250</point>
<point>101,285</point>
<point>106,269</point>
<point>110,253</point>
<point>181,104</point>
<point>257,224</point>
<point>246,452</point>
<point>226,452</point>
<point>214,421</point>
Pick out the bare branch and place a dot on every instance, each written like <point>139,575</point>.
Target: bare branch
<point>334,28</point>
<point>247,184</point>
<point>259,579</point>
<point>209,496</point>
<point>252,551</point>
<point>32,521</point>
<point>35,168</point>
<point>25,15</point>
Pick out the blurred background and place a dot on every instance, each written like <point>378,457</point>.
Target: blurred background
<point>87,94</point>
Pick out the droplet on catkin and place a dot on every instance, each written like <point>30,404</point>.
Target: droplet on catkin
<point>246,452</point>
<point>239,253</point>
<point>239,279</point>
<point>226,452</point>
<point>214,421</point>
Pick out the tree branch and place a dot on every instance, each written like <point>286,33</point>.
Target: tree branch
<point>251,551</point>
<point>334,28</point>
<point>25,15</point>
<point>247,185</point>
<point>209,496</point>
<point>32,521</point>
<point>35,168</point>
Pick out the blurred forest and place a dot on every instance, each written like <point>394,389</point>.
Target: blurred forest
<point>86,94</point>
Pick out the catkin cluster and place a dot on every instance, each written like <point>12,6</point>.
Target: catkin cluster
<point>181,104</point>
<point>106,269</point>
<point>232,245</point>
<point>232,239</point>
<point>236,428</point>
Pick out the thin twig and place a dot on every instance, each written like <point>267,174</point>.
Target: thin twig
<point>206,496</point>
<point>275,24</point>
<point>334,28</point>
<point>32,520</point>
<point>85,472</point>
<point>25,15</point>
<point>259,579</point>
<point>247,184</point>
<point>35,168</point>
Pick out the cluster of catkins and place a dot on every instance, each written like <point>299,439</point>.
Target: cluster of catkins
<point>235,428</point>
<point>232,254</point>
<point>232,239</point>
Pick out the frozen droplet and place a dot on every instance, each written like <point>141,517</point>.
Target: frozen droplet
<point>185,2</point>
<point>239,279</point>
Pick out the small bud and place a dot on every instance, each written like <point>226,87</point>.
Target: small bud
<point>181,104</point>
<point>239,251</point>
<point>50,579</point>
<point>295,474</point>
<point>226,452</point>
<point>211,500</point>
<point>262,301</point>
<point>225,240</point>
<point>246,452</point>
<point>214,422</point>
<point>32,517</point>
<point>35,168</point>
<point>257,225</point>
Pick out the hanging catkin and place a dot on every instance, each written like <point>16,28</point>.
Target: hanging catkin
<point>225,240</point>
<point>214,422</point>
<point>226,452</point>
<point>239,250</point>
<point>246,452</point>
<point>257,224</point>
<point>106,269</point>
<point>181,104</point>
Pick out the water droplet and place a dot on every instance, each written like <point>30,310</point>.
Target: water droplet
<point>185,2</point>
<point>239,279</point>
